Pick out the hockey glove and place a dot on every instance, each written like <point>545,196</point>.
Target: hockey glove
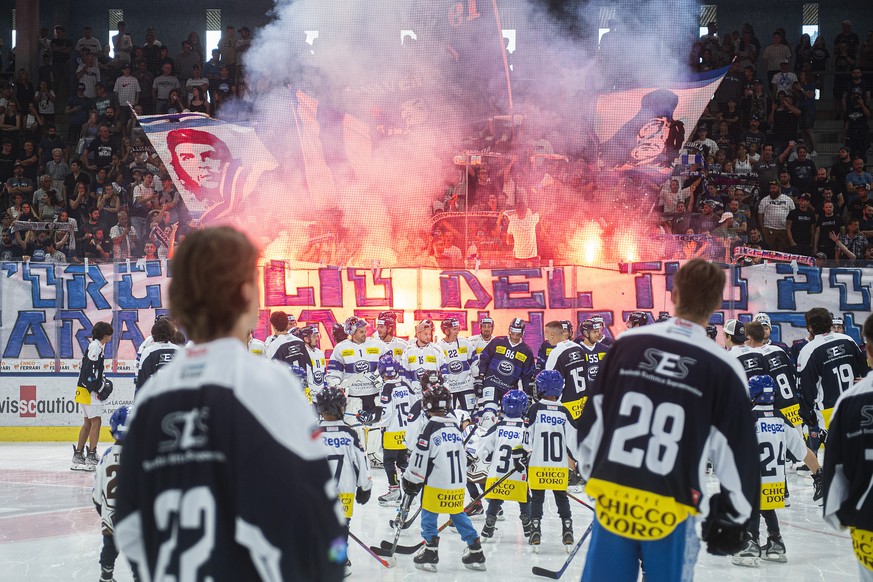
<point>411,488</point>
<point>519,459</point>
<point>477,387</point>
<point>817,485</point>
<point>106,391</point>
<point>817,437</point>
<point>471,459</point>
<point>366,416</point>
<point>363,495</point>
<point>723,537</point>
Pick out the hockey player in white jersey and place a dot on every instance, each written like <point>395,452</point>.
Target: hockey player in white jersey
<point>104,491</point>
<point>422,355</point>
<point>393,416</point>
<point>480,341</point>
<point>775,437</point>
<point>386,330</point>
<point>344,454</point>
<point>460,356</point>
<point>256,346</point>
<point>437,465</point>
<point>496,446</point>
<point>550,431</point>
<point>352,366</point>
<point>316,371</point>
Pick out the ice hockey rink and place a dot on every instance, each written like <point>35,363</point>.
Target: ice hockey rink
<point>49,531</point>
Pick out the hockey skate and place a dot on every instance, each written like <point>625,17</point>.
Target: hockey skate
<point>428,558</point>
<point>774,550</point>
<point>535,535</point>
<point>392,498</point>
<point>78,462</point>
<point>106,574</point>
<point>348,569</point>
<point>476,509</point>
<point>749,555</point>
<point>474,558</point>
<point>526,526</point>
<point>567,533</point>
<point>488,530</point>
<point>375,461</point>
<point>91,460</point>
<point>500,515</point>
<point>575,483</point>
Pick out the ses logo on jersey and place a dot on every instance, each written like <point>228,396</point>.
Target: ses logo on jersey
<point>836,351</point>
<point>666,364</point>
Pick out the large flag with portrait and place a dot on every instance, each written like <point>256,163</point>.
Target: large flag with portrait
<point>215,165</point>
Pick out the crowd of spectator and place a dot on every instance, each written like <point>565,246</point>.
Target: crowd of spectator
<point>99,192</point>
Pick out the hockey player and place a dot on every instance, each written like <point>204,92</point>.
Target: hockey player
<point>317,366</point>
<point>848,471</point>
<point>386,330</point>
<point>504,364</point>
<point>393,416</point>
<point>159,354</point>
<point>220,439</point>
<point>550,430</point>
<point>423,354</point>
<point>459,355</point>
<point>711,331</point>
<point>753,361</point>
<point>338,333</point>
<point>775,437</point>
<point>89,384</point>
<point>567,359</point>
<point>593,349</point>
<point>344,453</point>
<point>665,400</point>
<point>837,324</point>
<point>279,321</point>
<point>150,340</point>
<point>256,346</point>
<point>605,340</point>
<point>546,347</point>
<point>437,465</point>
<point>104,491</point>
<point>781,370</point>
<point>764,320</point>
<point>496,447</point>
<point>288,347</point>
<point>826,367</point>
<point>637,319</point>
<point>417,415</point>
<point>477,468</point>
<point>479,341</point>
<point>352,366</point>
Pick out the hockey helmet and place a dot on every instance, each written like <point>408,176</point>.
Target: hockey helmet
<point>586,327</point>
<point>430,378</point>
<point>436,398</point>
<point>637,319</point>
<point>550,383</point>
<point>449,323</point>
<point>338,332</point>
<point>118,422</point>
<point>761,389</point>
<point>763,319</point>
<point>711,331</point>
<point>388,366</point>
<point>308,331</point>
<point>388,319</point>
<point>567,327</point>
<point>353,324</point>
<point>331,400</point>
<point>663,317</point>
<point>517,325</point>
<point>514,403</point>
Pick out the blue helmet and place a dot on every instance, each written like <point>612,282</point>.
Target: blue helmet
<point>550,383</point>
<point>514,403</point>
<point>388,366</point>
<point>761,389</point>
<point>118,422</point>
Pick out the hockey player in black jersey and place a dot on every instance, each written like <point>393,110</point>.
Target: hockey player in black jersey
<point>665,400</point>
<point>223,475</point>
<point>593,349</point>
<point>753,361</point>
<point>764,320</point>
<point>565,327</point>
<point>291,350</point>
<point>826,367</point>
<point>848,465</point>
<point>345,455</point>
<point>781,369</point>
<point>504,364</point>
<point>88,387</point>
<point>437,464</point>
<point>160,353</point>
<point>567,359</point>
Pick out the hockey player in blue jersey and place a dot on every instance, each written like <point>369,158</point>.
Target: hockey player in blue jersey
<point>504,364</point>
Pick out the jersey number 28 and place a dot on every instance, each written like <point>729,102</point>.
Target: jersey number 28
<point>661,425</point>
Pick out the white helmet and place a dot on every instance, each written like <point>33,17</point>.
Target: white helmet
<point>763,319</point>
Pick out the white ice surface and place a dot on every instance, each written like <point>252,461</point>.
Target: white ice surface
<point>49,531</point>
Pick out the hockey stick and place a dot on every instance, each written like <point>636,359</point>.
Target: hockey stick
<point>416,547</point>
<point>554,575</point>
<point>390,562</point>
<point>407,523</point>
<point>577,500</point>
<point>392,547</point>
